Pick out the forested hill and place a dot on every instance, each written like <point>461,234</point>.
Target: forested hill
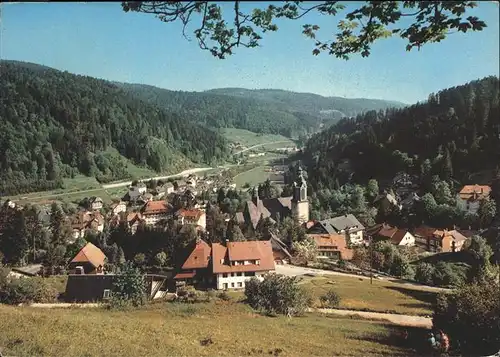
<point>310,103</point>
<point>261,111</point>
<point>453,134</point>
<point>55,124</point>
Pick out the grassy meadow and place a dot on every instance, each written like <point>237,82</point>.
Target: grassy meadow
<point>249,138</point>
<point>382,296</point>
<point>216,328</point>
<point>253,177</point>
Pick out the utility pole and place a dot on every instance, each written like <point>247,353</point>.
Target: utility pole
<point>371,260</point>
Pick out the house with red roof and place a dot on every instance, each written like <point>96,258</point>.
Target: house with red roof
<point>89,260</point>
<point>332,246</point>
<point>236,262</point>
<point>197,268</point>
<point>156,211</point>
<point>470,197</point>
<point>436,240</point>
<point>196,217</point>
<point>228,265</point>
<point>85,221</point>
<point>395,235</point>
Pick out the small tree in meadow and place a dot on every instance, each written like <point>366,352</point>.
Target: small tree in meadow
<point>276,294</point>
<point>330,300</point>
<point>129,287</point>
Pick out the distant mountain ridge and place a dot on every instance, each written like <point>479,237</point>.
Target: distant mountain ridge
<point>271,111</point>
<point>310,102</point>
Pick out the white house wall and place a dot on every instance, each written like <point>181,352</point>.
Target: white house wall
<point>234,281</point>
<point>470,206</point>
<point>356,237</point>
<point>407,240</point>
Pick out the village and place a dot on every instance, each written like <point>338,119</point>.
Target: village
<point>220,263</point>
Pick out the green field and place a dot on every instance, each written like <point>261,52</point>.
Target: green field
<point>172,329</point>
<point>381,296</point>
<point>79,187</point>
<point>249,138</point>
<point>359,294</point>
<point>70,195</point>
<point>253,177</point>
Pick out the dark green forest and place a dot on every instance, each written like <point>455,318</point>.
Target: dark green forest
<point>262,111</point>
<point>54,124</point>
<point>313,104</point>
<point>454,134</point>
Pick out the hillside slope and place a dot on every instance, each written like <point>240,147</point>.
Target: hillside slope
<point>55,124</point>
<point>314,104</point>
<point>260,111</point>
<point>453,134</point>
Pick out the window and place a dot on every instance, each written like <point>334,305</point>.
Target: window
<point>224,286</point>
<point>232,285</point>
<point>240,284</point>
<point>250,273</point>
<point>224,275</point>
<point>239,274</point>
<point>106,294</point>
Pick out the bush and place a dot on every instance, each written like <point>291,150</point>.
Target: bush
<point>223,295</point>
<point>129,287</point>
<point>276,294</point>
<point>446,275</point>
<point>471,317</point>
<point>190,295</point>
<point>330,300</point>
<point>28,290</point>
<point>424,273</point>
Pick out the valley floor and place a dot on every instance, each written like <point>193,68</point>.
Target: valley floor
<point>207,329</point>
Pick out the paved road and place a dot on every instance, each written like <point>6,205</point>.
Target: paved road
<point>292,270</point>
<point>47,195</point>
<point>183,173</point>
<point>121,184</point>
<point>256,146</point>
<point>401,320</point>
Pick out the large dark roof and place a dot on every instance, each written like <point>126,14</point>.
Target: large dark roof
<point>268,208</point>
<point>336,224</point>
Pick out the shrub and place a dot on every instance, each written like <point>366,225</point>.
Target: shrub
<point>129,287</point>
<point>276,294</point>
<point>446,275</point>
<point>28,290</point>
<point>330,300</point>
<point>471,317</point>
<point>223,295</point>
<point>190,295</point>
<point>424,273</point>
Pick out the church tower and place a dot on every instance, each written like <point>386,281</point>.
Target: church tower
<point>255,196</point>
<point>300,204</point>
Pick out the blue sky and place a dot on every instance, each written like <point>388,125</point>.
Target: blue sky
<point>100,40</point>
